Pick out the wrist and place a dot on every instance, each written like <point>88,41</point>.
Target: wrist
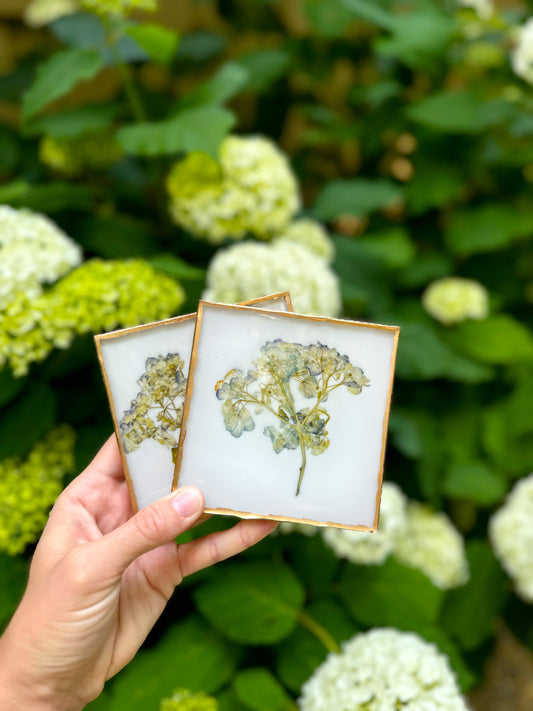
<point>24,687</point>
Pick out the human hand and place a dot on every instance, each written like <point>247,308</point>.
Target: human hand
<point>99,580</point>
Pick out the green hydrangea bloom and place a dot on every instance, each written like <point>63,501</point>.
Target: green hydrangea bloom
<point>33,251</point>
<point>184,700</point>
<point>118,8</point>
<point>310,234</point>
<point>97,150</point>
<point>454,299</point>
<point>251,269</point>
<point>252,190</point>
<point>97,296</point>
<point>29,486</point>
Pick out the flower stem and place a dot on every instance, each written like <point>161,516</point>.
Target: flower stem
<point>134,100</point>
<point>304,461</point>
<point>319,632</point>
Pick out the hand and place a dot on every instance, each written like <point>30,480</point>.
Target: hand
<point>99,580</point>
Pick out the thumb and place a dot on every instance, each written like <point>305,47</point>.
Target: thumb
<point>150,528</point>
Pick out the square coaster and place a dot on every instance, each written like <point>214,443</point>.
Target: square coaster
<point>286,416</point>
<point>145,369</point>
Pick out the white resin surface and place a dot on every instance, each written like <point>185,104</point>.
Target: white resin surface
<point>244,474</point>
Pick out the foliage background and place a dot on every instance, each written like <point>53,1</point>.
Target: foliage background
<point>411,138</point>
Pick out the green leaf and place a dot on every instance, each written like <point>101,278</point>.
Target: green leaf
<point>228,81</point>
<point>393,247</point>
<point>228,701</point>
<point>263,67</point>
<point>73,122</point>
<point>259,690</point>
<point>371,12</point>
<point>314,563</point>
<point>252,603</point>
<point>190,655</point>
<point>9,386</point>
<point>14,574</point>
<point>389,594</point>
<point>418,37</point>
<point>102,703</point>
<point>458,112</point>
<point>470,611</point>
<point>116,236</point>
<point>426,268</point>
<point>329,19</point>
<point>299,655</point>
<point>50,197</point>
<point>486,228</point>
<point>432,188</point>
<point>27,419</point>
<point>197,129</point>
<point>422,355</point>
<point>498,339</point>
<point>161,44</point>
<point>355,197</point>
<point>177,268</point>
<point>59,75</point>
<point>475,482</point>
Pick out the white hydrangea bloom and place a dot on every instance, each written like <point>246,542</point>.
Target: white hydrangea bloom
<point>522,54</point>
<point>251,190</point>
<point>511,535</point>
<point>431,543</point>
<point>42,12</point>
<point>251,269</point>
<point>382,670</point>
<point>33,251</point>
<point>454,299</point>
<point>483,8</point>
<point>372,548</point>
<point>310,234</point>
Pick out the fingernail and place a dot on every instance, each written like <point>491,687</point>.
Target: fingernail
<point>187,502</point>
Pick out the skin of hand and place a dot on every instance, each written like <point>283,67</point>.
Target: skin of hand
<point>99,579</point>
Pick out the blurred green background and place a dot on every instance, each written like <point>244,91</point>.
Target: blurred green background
<point>408,125</point>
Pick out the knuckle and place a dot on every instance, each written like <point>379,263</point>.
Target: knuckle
<point>214,552</point>
<point>150,524</point>
<point>77,571</point>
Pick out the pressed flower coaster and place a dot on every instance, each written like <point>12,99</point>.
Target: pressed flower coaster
<point>285,416</point>
<point>145,370</point>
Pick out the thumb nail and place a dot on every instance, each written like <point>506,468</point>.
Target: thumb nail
<point>187,501</point>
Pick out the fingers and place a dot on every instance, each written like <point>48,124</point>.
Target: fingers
<point>108,461</point>
<point>218,546</point>
<point>150,528</point>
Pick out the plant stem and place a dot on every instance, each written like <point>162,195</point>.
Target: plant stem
<point>319,632</point>
<point>304,460</point>
<point>132,94</point>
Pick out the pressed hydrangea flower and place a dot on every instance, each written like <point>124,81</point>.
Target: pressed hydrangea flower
<point>366,548</point>
<point>248,270</point>
<point>97,150</point>
<point>184,700</point>
<point>511,535</point>
<point>29,486</point>
<point>453,299</point>
<point>97,296</point>
<point>429,542</point>
<point>42,12</point>
<point>252,190</point>
<point>382,670</point>
<point>157,411</point>
<point>522,54</point>
<point>118,8</point>
<point>310,234</point>
<point>33,251</point>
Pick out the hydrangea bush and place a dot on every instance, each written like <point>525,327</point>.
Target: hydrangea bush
<point>374,159</point>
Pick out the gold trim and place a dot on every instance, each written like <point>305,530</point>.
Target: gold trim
<point>98,338</point>
<point>283,314</point>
